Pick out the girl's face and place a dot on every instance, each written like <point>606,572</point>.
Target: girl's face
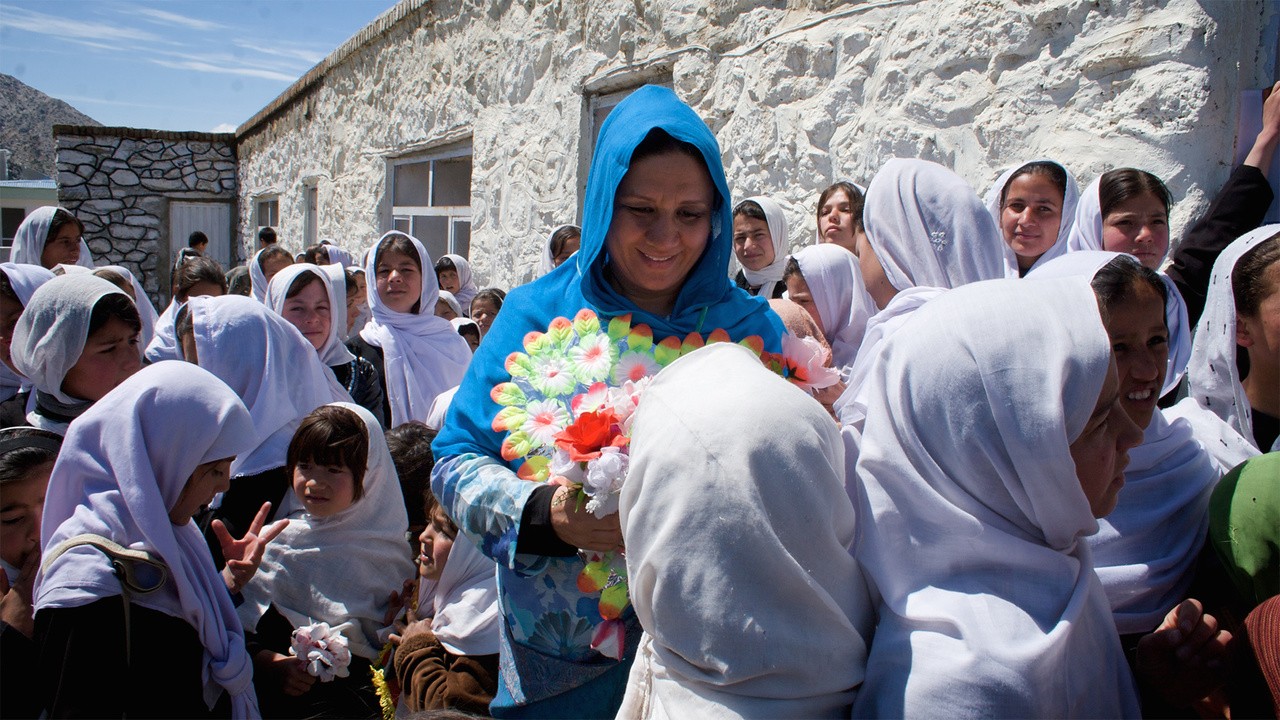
<point>873,277</point>
<point>444,311</point>
<point>362,288</point>
<point>208,480</point>
<point>399,281</point>
<point>1101,453</point>
<point>62,248</point>
<point>324,490</point>
<point>1140,344</point>
<point>435,551</point>
<point>448,280</point>
<point>483,311</point>
<point>567,249</point>
<point>110,356</point>
<point>353,309</point>
<point>20,508</point>
<point>1138,226</point>
<point>274,265</point>
<point>752,243</point>
<point>835,221</point>
<point>309,311</point>
<point>10,311</point>
<point>473,341</point>
<point>1031,217</point>
<point>798,292</point>
<point>1260,333</point>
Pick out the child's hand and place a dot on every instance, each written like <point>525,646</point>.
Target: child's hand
<point>1185,658</point>
<point>245,555</point>
<point>15,602</point>
<point>289,671</point>
<point>414,628</point>
<point>397,601</point>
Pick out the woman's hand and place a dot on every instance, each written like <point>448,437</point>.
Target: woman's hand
<point>245,555</point>
<point>290,672</point>
<point>15,605</point>
<point>580,528</point>
<point>1185,658</point>
<point>1264,146</point>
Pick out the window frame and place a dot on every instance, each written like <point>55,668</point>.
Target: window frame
<point>453,214</point>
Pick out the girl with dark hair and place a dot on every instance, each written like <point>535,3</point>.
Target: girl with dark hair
<point>563,243</point>
<point>484,308</point>
<point>760,243</point>
<point>197,277</point>
<point>1035,206</point>
<point>48,237</point>
<point>840,215</point>
<point>453,274</point>
<point>17,284</point>
<point>264,265</point>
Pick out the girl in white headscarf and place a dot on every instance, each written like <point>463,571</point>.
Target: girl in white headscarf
<point>339,560</point>
<point>197,277</point>
<point>453,274</point>
<point>146,311</point>
<point>1034,205</point>
<point>743,581</point>
<point>994,438</point>
<point>17,284</point>
<point>824,279</point>
<point>75,341</point>
<point>48,237</point>
<point>451,310</point>
<point>133,470</point>
<point>264,266</point>
<point>561,245</point>
<point>760,243</point>
<point>418,355</point>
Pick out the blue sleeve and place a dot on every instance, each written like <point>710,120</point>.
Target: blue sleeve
<point>486,501</point>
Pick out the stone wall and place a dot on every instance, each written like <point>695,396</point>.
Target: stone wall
<point>799,94</point>
<point>119,182</point>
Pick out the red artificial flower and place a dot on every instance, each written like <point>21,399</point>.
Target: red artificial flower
<point>589,433</point>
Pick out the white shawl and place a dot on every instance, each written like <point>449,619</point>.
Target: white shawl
<point>776,219</point>
<point>257,278</point>
<point>741,573</point>
<point>147,315</point>
<point>338,256</point>
<point>24,279</point>
<point>422,354</point>
<point>164,343</point>
<point>835,282</point>
<point>33,235</point>
<point>273,369</point>
<point>463,603</point>
<point>121,468</point>
<point>548,262</point>
<point>452,302</point>
<point>334,352</point>
<point>340,569</point>
<point>466,286</point>
<point>1070,198</point>
<point>973,518</point>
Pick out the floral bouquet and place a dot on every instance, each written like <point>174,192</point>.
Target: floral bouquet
<point>323,649</point>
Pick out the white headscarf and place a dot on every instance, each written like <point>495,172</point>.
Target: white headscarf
<point>24,279</point>
<point>835,282</point>
<point>1217,407</point>
<point>466,286</point>
<point>452,302</point>
<point>1086,229</point>
<point>164,342</point>
<point>1070,198</point>
<point>53,329</point>
<point>121,468</point>
<point>257,278</point>
<point>548,262</point>
<point>338,256</point>
<point>342,568</point>
<point>776,219</point>
<point>422,354</point>
<point>973,518</point>
<point>334,352</point>
<point>743,581</point>
<point>147,315</point>
<point>33,235</point>
<point>1145,551</point>
<point>463,603</point>
<point>273,369</point>
<point>929,229</point>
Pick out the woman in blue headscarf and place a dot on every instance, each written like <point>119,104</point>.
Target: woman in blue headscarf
<point>656,242</point>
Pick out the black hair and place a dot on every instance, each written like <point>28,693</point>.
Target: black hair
<point>1113,283</point>
<point>313,254</point>
<point>184,326</point>
<point>267,236</point>
<point>301,282</point>
<point>272,251</point>
<point>660,142</point>
<point>350,281</point>
<point>239,282</point>
<point>792,268</point>
<point>114,278</point>
<point>114,305</point>
<point>856,200</point>
<point>22,449</point>
<point>445,263</point>
<point>562,235</point>
<point>6,288</point>
<point>469,329</point>
<point>197,238</point>
<point>410,446</point>
<point>493,295</point>
<point>62,218</point>
<point>751,209</point>
<point>1045,168</point>
<point>332,435</point>
<point>1117,186</point>
<point>194,271</point>
<point>400,243</point>
<point>1248,280</point>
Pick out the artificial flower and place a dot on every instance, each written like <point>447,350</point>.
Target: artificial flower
<point>590,432</point>
<point>323,650</point>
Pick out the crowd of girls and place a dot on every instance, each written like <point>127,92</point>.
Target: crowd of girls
<point>1039,477</point>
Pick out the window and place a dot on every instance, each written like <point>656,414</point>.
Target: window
<point>431,199</point>
<point>12,220</point>
<point>267,212</point>
<point>597,107</point>
<point>310,211</point>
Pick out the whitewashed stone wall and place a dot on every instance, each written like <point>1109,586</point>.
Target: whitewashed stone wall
<point>799,95</point>
<point>119,182</point>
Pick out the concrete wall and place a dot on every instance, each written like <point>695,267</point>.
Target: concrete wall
<point>798,94</point>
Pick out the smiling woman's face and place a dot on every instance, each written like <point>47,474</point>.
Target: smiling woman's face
<point>399,281</point>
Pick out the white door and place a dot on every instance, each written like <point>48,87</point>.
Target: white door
<point>211,218</point>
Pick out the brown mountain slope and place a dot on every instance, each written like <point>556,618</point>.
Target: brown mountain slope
<point>27,117</point>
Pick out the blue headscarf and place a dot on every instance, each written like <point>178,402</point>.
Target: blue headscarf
<point>707,301</point>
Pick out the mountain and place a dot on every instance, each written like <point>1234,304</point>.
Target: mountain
<point>27,117</point>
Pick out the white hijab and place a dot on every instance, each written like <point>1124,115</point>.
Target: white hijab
<point>1217,407</point>
<point>929,229</point>
<point>273,369</point>
<point>164,342</point>
<point>751,603</point>
<point>835,282</point>
<point>463,603</point>
<point>147,315</point>
<point>776,219</point>
<point>24,279</point>
<point>548,262</point>
<point>1145,551</point>
<point>334,352</point>
<point>452,302</point>
<point>342,568</point>
<point>466,286</point>
<point>1070,198</point>
<point>121,468</point>
<point>973,518</point>
<point>33,235</point>
<point>53,328</point>
<point>1086,229</point>
<point>257,278</point>
<point>422,354</point>
<point>338,256</point>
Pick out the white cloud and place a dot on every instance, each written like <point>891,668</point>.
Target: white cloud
<point>78,28</point>
<point>224,128</point>
<point>202,66</point>
<point>163,17</point>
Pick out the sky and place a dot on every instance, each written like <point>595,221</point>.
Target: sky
<point>204,65</point>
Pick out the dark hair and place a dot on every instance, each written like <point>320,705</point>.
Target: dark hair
<point>659,142</point>
<point>1248,279</point>
<point>61,218</point>
<point>270,252</point>
<point>445,263</point>
<point>400,243</point>
<point>184,327</point>
<point>6,289</point>
<point>440,518</point>
<point>470,328</point>
<point>1117,186</point>
<point>751,209</point>
<point>267,236</point>
<point>239,282</point>
<point>410,446</point>
<point>562,235</point>
<point>301,282</point>
<point>24,448</point>
<point>332,435</point>
<point>114,305</point>
<point>313,253</point>
<point>114,278</point>
<point>493,295</point>
<point>792,268</point>
<point>197,238</point>
<point>349,277</point>
<point>194,271</point>
<point>856,200</point>
<point>1045,168</point>
<point>1113,283</point>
